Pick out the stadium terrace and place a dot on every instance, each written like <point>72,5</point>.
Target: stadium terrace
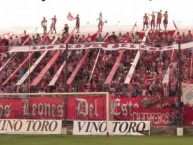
<point>141,71</point>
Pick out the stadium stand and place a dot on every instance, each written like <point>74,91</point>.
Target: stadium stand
<point>96,70</point>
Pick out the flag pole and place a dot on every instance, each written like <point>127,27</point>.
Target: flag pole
<point>66,57</point>
<point>135,25</point>
<point>66,68</point>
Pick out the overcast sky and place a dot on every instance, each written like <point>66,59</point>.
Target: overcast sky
<point>14,13</point>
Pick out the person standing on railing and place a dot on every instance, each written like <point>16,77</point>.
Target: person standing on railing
<point>44,25</point>
<point>152,21</point>
<point>65,30</point>
<point>159,19</point>
<point>145,21</point>
<point>100,24</point>
<point>53,25</point>
<point>77,23</point>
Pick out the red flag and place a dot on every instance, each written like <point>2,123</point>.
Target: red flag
<point>94,36</point>
<point>140,34</point>
<point>70,17</point>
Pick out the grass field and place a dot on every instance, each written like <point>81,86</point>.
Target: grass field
<point>93,140</point>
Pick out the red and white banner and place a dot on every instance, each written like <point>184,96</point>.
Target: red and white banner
<point>10,108</point>
<point>124,108</point>
<point>157,116</point>
<point>32,108</point>
<point>21,126</point>
<point>43,107</point>
<point>88,108</point>
<point>132,109</point>
<point>104,46</point>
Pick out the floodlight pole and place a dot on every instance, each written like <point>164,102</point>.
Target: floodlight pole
<point>29,89</point>
<point>179,82</point>
<point>66,69</point>
<point>140,79</point>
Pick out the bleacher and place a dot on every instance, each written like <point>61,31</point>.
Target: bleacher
<point>131,64</point>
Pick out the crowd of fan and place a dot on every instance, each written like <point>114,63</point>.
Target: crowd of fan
<point>146,81</point>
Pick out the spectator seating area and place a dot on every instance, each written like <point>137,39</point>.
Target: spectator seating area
<point>97,64</point>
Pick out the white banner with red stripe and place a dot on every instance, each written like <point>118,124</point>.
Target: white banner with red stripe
<point>104,46</point>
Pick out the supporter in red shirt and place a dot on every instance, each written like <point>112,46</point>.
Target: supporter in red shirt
<point>127,37</point>
<point>189,36</point>
<point>25,39</point>
<point>183,38</point>
<point>107,37</point>
<point>177,38</point>
<point>88,38</point>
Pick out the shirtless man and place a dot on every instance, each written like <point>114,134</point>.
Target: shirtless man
<point>100,24</point>
<point>159,19</point>
<point>145,21</point>
<point>152,20</point>
<point>53,24</point>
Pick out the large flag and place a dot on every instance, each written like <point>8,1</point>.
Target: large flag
<point>94,36</point>
<point>8,35</point>
<point>187,94</point>
<point>70,17</point>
